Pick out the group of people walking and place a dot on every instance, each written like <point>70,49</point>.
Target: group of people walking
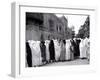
<point>42,52</point>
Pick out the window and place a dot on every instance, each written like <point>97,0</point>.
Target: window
<point>57,28</point>
<point>51,25</point>
<point>60,28</point>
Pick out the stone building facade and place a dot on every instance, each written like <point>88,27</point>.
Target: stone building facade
<point>45,26</point>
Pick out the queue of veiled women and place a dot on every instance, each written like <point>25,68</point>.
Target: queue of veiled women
<point>39,53</point>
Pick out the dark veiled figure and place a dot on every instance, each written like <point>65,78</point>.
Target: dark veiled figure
<point>28,55</point>
<point>77,47</point>
<point>43,51</point>
<point>52,51</point>
<point>73,47</point>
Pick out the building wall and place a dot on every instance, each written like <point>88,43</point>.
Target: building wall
<point>56,32</point>
<point>54,29</point>
<point>33,33</point>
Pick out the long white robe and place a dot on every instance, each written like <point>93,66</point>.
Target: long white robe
<point>87,46</point>
<point>83,49</point>
<point>68,44</point>
<point>88,50</point>
<point>36,53</point>
<point>47,50</point>
<point>57,50</point>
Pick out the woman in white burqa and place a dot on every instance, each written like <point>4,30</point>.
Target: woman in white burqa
<point>36,53</point>
<point>63,51</point>
<point>57,50</point>
<point>83,49</point>
<point>68,44</point>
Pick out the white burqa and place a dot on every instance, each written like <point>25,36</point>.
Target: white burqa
<point>68,44</point>
<point>36,53</point>
<point>47,50</point>
<point>57,49</point>
<point>83,49</point>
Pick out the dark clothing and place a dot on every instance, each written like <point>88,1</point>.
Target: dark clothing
<point>77,47</point>
<point>43,51</point>
<point>76,50</point>
<point>52,50</point>
<point>28,55</point>
<point>72,49</point>
<point>64,42</point>
<point>73,44</point>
